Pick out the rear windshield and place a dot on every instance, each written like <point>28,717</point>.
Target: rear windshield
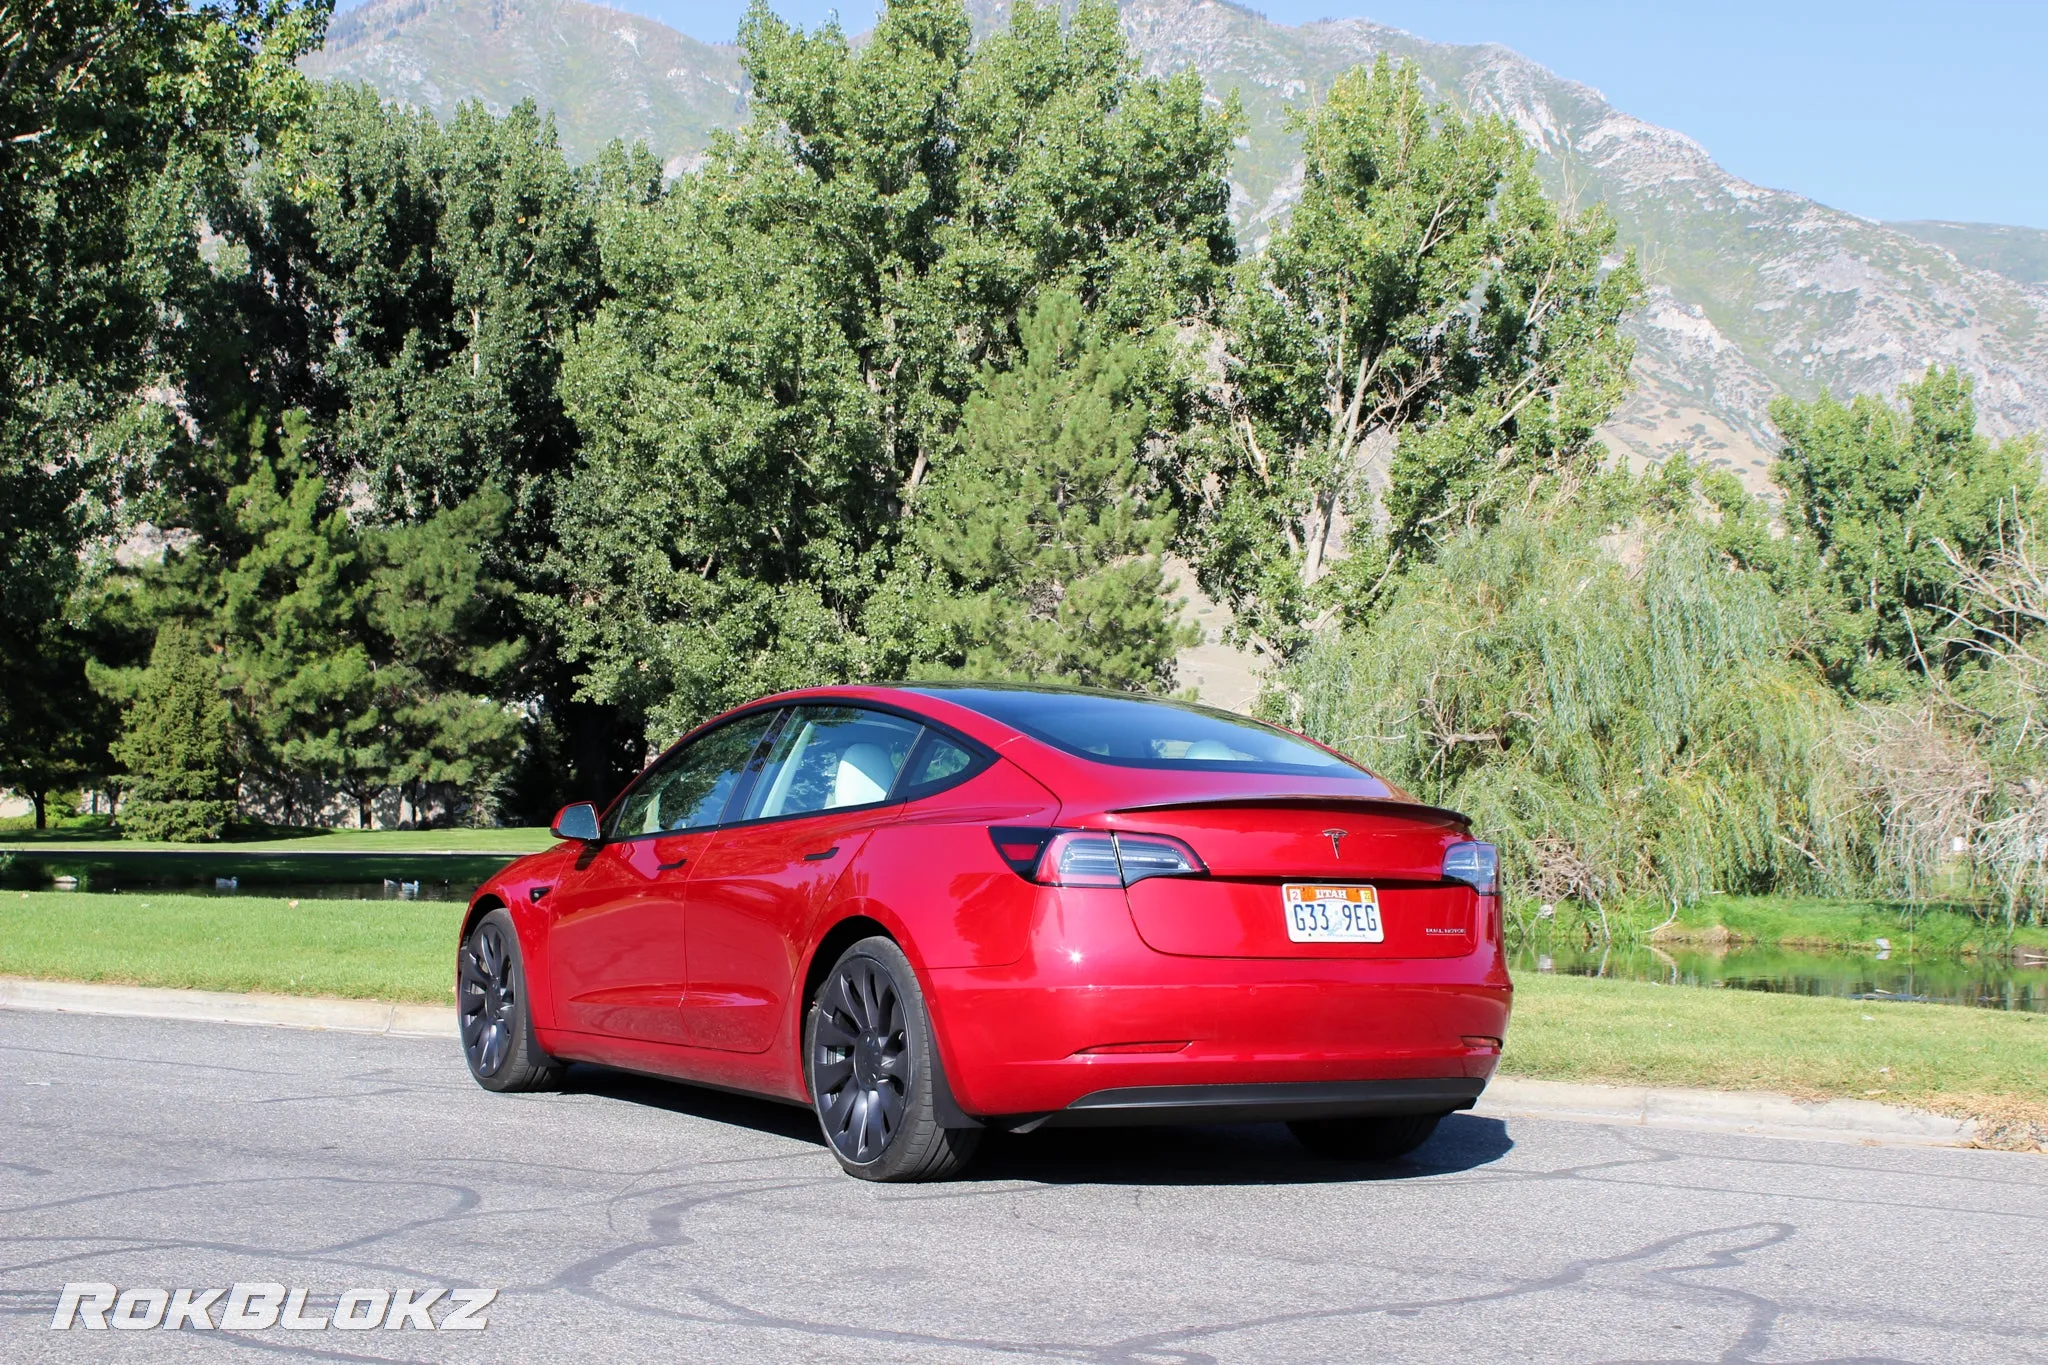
<point>1141,733</point>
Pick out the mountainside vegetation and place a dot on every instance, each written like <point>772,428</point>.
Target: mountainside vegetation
<point>403,471</point>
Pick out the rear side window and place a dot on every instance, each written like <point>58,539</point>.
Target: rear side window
<point>1144,733</point>
<point>939,764</point>
<point>830,757</point>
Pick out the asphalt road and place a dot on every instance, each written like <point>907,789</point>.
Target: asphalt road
<point>629,1218</point>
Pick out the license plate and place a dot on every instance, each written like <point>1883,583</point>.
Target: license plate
<point>1332,914</point>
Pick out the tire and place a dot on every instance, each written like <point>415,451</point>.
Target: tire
<point>1365,1139</point>
<point>868,1062</point>
<point>498,1040</point>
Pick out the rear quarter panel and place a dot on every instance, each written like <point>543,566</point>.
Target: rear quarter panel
<point>934,872</point>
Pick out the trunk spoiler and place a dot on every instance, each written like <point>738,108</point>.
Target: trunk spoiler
<point>1384,805</point>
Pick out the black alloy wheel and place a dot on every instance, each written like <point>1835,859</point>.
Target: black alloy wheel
<point>868,1050</point>
<point>490,1002</point>
<point>1365,1139</point>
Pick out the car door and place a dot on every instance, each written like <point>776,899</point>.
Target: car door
<point>824,787</point>
<point>618,944</point>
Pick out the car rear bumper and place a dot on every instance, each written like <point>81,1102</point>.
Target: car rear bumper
<point>1091,1012</point>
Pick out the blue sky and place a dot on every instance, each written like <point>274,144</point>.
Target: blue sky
<point>1885,108</point>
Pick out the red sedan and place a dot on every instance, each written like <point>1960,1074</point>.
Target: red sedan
<point>934,909</point>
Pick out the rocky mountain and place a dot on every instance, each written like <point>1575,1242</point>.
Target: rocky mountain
<point>1756,291</point>
<point>2019,253</point>
<point>603,72</point>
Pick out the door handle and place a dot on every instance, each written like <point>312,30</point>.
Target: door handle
<point>821,856</point>
<point>671,867</point>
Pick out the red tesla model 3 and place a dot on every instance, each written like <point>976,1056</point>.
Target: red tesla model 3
<point>929,910</point>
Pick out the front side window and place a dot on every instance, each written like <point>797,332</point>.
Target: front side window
<point>830,757</point>
<point>689,789</point>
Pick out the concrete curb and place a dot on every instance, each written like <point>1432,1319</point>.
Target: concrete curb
<point>221,1007</point>
<point>1708,1111</point>
<point>1760,1114</point>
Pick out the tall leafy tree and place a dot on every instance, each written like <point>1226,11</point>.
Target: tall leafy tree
<point>409,289</point>
<point>799,325</point>
<point>1878,497</point>
<point>116,118</point>
<point>1035,551</point>
<point>1429,340</point>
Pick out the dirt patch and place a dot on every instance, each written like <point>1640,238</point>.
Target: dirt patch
<point>1718,938</point>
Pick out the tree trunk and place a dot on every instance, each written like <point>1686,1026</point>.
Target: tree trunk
<point>42,801</point>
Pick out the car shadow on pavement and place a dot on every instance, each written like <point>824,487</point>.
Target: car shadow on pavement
<point>1240,1154</point>
<point>1245,1154</point>
<point>678,1097</point>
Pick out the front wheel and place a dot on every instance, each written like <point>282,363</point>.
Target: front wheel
<point>868,1058</point>
<point>1365,1139</point>
<point>490,1004</point>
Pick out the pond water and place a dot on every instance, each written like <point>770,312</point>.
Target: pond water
<point>1897,979</point>
<point>420,888</point>
<point>319,876</point>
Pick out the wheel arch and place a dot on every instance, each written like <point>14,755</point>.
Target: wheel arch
<point>478,908</point>
<point>843,934</point>
<point>834,941</point>
<point>531,934</point>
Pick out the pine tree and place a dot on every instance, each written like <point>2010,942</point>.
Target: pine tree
<point>174,744</point>
<point>438,622</point>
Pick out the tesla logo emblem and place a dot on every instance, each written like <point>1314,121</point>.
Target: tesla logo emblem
<point>1336,838</point>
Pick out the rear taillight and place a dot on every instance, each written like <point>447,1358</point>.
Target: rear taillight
<point>1156,855</point>
<point>1086,857</point>
<point>1476,865</point>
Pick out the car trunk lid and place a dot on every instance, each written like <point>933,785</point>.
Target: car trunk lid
<point>1255,847</point>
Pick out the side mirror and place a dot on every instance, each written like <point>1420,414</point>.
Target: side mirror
<point>576,822</point>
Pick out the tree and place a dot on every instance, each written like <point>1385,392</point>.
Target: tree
<point>1639,728</point>
<point>1429,341</point>
<point>174,744</point>
<point>300,672</point>
<point>439,621</point>
<point>1882,504</point>
<point>356,659</point>
<point>400,292</point>
<point>1034,552</point>
<point>798,327</point>
<point>115,118</point>
<point>54,728</point>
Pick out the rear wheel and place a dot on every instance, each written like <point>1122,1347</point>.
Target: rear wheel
<point>1365,1139</point>
<point>491,1006</point>
<point>868,1059</point>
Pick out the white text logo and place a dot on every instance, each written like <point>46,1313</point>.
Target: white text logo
<point>260,1307</point>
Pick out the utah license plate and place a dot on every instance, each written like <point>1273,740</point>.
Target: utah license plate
<point>1332,914</point>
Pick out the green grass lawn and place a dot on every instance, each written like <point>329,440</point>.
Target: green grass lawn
<point>520,840</point>
<point>371,949</point>
<point>1987,1064</point>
